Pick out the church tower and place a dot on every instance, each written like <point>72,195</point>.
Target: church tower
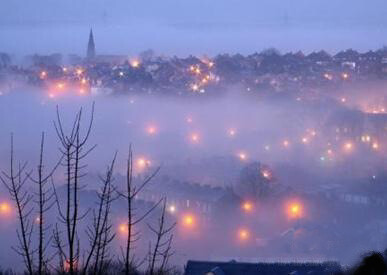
<point>91,46</point>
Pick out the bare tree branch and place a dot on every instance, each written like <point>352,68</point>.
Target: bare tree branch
<point>14,182</point>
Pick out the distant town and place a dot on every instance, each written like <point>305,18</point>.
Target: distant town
<point>297,74</point>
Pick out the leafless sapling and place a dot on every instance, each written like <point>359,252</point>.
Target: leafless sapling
<point>99,233</point>
<point>131,192</point>
<point>45,200</point>
<point>14,180</point>
<point>74,150</point>
<point>161,251</point>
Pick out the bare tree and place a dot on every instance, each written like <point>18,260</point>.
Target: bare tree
<point>106,237</point>
<point>166,255</point>
<point>45,201</point>
<point>15,181</point>
<point>100,232</point>
<point>132,191</point>
<point>162,249</point>
<point>60,252</point>
<point>74,150</point>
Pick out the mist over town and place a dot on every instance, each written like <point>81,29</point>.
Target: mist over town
<point>208,158</point>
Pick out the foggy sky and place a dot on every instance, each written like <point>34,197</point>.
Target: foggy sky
<point>197,27</point>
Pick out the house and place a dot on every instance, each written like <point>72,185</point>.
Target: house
<point>236,268</point>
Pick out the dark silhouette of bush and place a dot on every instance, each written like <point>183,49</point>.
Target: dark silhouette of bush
<point>372,264</point>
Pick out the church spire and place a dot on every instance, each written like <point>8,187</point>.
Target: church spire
<point>91,46</point>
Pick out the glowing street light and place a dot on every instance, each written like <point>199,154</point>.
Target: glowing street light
<point>195,138</point>
<point>135,63</point>
<point>242,156</point>
<point>365,138</point>
<point>5,208</point>
<point>79,71</point>
<point>243,234</point>
<point>189,120</point>
<point>143,162</point>
<point>305,140</point>
<point>172,209</point>
<point>375,146</point>
<point>60,85</point>
<point>266,174</point>
<point>231,132</point>
<point>195,87</point>
<point>151,130</point>
<point>348,146</point>
<point>328,76</point>
<point>43,74</point>
<point>247,206</point>
<point>123,229</point>
<point>295,210</point>
<point>188,221</point>
<point>285,143</point>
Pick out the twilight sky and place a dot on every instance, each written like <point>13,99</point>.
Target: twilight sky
<point>182,27</point>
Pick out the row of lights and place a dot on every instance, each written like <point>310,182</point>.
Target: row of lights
<point>188,221</point>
